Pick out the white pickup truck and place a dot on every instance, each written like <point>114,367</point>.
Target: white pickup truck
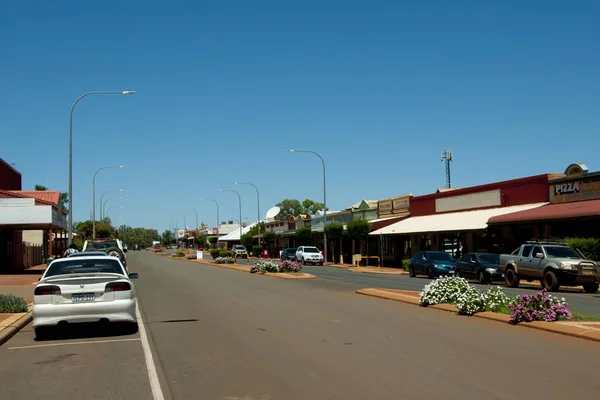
<point>553,264</point>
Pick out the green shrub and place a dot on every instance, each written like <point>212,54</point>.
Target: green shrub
<point>225,253</point>
<point>180,253</point>
<point>257,250</point>
<point>590,247</point>
<point>10,303</point>
<point>214,253</point>
<point>405,264</point>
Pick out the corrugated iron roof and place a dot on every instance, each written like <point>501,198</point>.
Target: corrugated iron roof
<point>577,209</point>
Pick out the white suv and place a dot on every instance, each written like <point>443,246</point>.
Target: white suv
<point>309,254</point>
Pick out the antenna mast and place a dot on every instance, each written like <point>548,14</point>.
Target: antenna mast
<point>447,157</point>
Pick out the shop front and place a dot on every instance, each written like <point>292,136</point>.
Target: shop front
<point>574,209</point>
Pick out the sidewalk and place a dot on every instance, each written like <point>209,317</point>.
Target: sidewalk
<point>22,283</point>
<point>376,270</point>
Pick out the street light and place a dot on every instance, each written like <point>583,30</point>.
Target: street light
<point>94,197</point>
<point>324,197</point>
<point>70,224</point>
<point>109,210</point>
<point>240,200</point>
<point>193,209</point>
<point>218,223</point>
<point>103,207</point>
<point>257,205</point>
<point>102,197</point>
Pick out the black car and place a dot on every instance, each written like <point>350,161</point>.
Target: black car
<point>288,254</point>
<point>484,267</point>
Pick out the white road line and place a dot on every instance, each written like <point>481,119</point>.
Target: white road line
<point>73,343</point>
<point>157,393</point>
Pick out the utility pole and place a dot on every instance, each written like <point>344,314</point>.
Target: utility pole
<point>447,157</point>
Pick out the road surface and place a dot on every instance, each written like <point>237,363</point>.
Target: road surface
<point>221,334</point>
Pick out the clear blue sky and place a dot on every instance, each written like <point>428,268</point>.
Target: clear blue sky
<point>379,88</point>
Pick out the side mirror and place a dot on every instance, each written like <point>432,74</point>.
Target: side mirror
<point>539,255</point>
<point>133,275</point>
<point>473,261</point>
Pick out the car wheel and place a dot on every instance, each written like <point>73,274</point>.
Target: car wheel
<point>591,287</point>
<point>550,281</point>
<point>321,263</point>
<point>482,278</point>
<point>511,278</point>
<point>429,273</point>
<point>411,271</point>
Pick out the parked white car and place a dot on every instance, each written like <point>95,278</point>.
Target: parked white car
<point>83,289</point>
<point>309,254</point>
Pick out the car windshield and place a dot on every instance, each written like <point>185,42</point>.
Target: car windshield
<point>80,266</point>
<point>439,256</point>
<point>100,245</point>
<point>311,250</point>
<point>88,254</point>
<point>561,252</point>
<point>489,258</point>
<point>240,248</point>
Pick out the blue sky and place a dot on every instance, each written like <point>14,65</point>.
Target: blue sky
<point>378,88</point>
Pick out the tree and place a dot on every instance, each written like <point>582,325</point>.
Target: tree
<point>270,239</point>
<point>287,206</point>
<point>311,207</point>
<point>63,199</point>
<point>246,240</point>
<point>304,234</point>
<point>334,233</point>
<point>103,230</point>
<point>167,237</point>
<point>201,240</point>
<point>359,229</point>
<point>295,208</point>
<point>254,230</point>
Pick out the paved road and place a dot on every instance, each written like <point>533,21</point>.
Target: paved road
<point>223,334</point>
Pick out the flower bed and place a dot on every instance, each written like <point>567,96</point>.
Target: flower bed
<point>192,256</point>
<point>224,260</point>
<point>263,266</point>
<point>10,303</point>
<point>470,300</point>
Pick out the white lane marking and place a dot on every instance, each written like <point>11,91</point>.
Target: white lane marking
<point>157,393</point>
<point>72,343</point>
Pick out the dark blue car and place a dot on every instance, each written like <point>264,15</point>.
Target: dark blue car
<point>484,267</point>
<point>432,264</point>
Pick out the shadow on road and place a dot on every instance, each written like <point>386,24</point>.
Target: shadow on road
<point>88,330</point>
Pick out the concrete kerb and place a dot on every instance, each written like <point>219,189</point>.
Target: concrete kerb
<point>553,327</point>
<point>238,268</point>
<point>13,324</point>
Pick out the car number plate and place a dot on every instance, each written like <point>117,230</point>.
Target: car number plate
<point>81,297</point>
<point>587,272</point>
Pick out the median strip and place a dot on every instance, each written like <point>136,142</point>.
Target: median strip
<point>12,324</point>
<point>573,329</point>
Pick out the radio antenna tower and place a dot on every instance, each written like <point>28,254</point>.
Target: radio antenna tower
<point>447,157</point>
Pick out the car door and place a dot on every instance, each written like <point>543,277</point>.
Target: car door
<point>463,266</point>
<point>415,262</point>
<point>524,261</point>
<point>474,266</point>
<point>535,263</point>
<point>299,254</point>
<point>423,263</point>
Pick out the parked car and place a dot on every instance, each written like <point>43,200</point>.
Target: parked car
<point>553,264</point>
<point>112,247</point>
<point>239,251</point>
<point>288,254</point>
<point>432,264</point>
<point>309,254</point>
<point>83,289</point>
<point>485,267</point>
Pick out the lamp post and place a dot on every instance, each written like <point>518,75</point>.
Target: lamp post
<point>218,223</point>
<point>324,197</point>
<point>257,205</point>
<point>240,201</point>
<point>197,228</point>
<point>102,197</point>
<point>103,207</point>
<point>94,197</point>
<point>70,224</point>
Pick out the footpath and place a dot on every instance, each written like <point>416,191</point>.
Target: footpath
<point>19,284</point>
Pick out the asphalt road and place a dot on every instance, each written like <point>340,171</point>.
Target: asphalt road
<point>223,334</point>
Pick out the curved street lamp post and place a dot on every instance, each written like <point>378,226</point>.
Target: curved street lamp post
<point>102,198</point>
<point>324,198</point>
<point>240,202</point>
<point>202,198</point>
<point>257,205</point>
<point>70,223</point>
<point>94,197</point>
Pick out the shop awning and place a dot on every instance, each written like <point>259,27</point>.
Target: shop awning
<point>450,222</point>
<point>579,209</point>
<point>383,222</point>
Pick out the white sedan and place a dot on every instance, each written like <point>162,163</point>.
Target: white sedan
<point>84,289</point>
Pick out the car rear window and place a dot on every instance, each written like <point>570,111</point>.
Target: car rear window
<point>100,245</point>
<point>80,266</point>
